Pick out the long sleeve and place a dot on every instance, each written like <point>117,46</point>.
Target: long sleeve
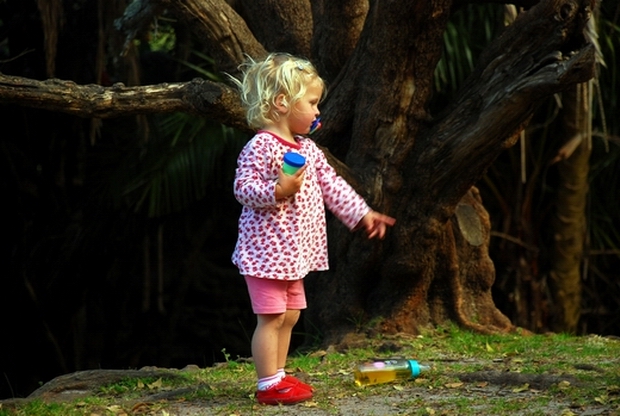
<point>254,185</point>
<point>340,197</point>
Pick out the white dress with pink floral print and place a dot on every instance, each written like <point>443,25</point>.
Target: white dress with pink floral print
<point>287,239</point>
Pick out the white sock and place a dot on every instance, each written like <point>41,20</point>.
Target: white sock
<point>266,382</point>
<point>281,372</point>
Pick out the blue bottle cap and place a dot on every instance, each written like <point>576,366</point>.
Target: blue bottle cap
<point>415,368</point>
<point>294,159</point>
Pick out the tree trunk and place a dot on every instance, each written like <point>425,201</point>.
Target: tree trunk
<point>421,170</point>
<point>569,221</point>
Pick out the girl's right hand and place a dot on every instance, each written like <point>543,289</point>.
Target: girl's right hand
<point>288,185</point>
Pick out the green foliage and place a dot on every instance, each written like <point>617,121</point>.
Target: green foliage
<point>163,38</point>
<point>40,408</point>
<point>468,32</point>
<point>203,67</point>
<point>130,385</point>
<point>186,160</point>
<point>609,41</point>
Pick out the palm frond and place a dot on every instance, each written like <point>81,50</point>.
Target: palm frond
<point>466,35</point>
<point>190,158</point>
<point>204,66</point>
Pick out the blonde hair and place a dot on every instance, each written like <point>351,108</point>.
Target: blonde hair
<point>264,80</point>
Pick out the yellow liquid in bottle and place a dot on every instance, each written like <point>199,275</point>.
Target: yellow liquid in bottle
<point>377,376</point>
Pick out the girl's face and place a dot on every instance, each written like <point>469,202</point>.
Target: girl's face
<point>306,110</point>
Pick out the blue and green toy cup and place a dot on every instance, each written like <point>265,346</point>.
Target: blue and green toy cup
<point>292,162</point>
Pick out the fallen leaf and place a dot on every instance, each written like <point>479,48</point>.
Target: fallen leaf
<point>156,384</point>
<point>489,348</point>
<point>613,388</point>
<point>482,384</point>
<point>320,353</point>
<point>116,410</point>
<point>399,388</point>
<point>563,384</point>
<point>139,407</point>
<point>453,385</point>
<point>601,399</point>
<point>310,404</point>
<point>522,388</point>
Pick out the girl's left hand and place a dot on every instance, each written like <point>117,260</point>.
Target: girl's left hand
<point>376,224</point>
<point>288,185</point>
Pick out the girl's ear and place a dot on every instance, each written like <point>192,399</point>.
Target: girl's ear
<point>281,103</point>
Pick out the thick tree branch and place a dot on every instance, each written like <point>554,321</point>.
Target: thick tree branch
<point>542,53</point>
<point>337,28</point>
<point>282,26</point>
<point>200,97</point>
<point>224,33</point>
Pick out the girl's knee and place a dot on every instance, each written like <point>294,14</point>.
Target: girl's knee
<point>272,320</point>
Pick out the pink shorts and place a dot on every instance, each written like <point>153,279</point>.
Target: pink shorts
<point>271,296</point>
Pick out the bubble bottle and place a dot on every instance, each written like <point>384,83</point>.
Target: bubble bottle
<point>384,371</point>
<point>292,162</point>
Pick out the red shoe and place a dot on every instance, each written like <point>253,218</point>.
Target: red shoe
<point>298,382</point>
<point>283,393</point>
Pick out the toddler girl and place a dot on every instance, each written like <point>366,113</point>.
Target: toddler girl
<point>282,227</point>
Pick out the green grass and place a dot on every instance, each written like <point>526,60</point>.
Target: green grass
<point>584,370</point>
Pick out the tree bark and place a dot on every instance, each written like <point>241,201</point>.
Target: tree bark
<point>569,221</point>
<point>199,97</point>
<point>280,25</point>
<point>341,21</point>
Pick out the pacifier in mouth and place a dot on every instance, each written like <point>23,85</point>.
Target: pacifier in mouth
<point>316,124</point>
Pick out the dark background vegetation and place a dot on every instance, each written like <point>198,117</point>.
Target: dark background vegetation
<point>95,280</point>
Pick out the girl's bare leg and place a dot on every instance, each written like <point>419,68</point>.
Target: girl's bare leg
<point>284,337</point>
<point>266,343</point>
